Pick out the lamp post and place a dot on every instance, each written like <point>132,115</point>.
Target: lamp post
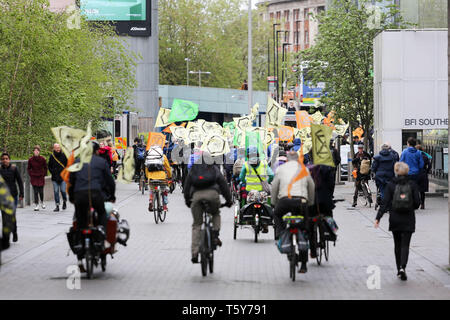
<point>278,84</point>
<point>275,54</point>
<point>199,72</point>
<point>283,71</point>
<point>250,56</point>
<point>187,69</point>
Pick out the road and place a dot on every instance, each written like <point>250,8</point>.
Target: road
<point>156,263</point>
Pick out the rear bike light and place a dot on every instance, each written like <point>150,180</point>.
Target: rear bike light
<point>257,206</point>
<point>87,231</point>
<point>293,230</point>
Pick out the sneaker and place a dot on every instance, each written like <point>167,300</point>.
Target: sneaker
<point>217,242</point>
<point>56,209</point>
<point>354,204</point>
<point>265,229</point>
<point>194,259</point>
<point>64,205</point>
<point>15,237</point>
<point>36,208</point>
<point>42,206</point>
<point>150,206</point>
<point>402,273</point>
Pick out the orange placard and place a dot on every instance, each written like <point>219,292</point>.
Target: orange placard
<point>174,125</point>
<point>304,120</point>
<point>358,132</point>
<point>286,133</point>
<point>329,120</point>
<point>121,143</point>
<point>156,138</point>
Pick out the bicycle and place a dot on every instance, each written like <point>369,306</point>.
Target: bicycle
<point>158,209</point>
<point>207,246</point>
<point>143,184</point>
<point>295,225</point>
<point>322,245</point>
<point>365,192</point>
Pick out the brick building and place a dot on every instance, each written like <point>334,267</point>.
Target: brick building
<point>293,16</point>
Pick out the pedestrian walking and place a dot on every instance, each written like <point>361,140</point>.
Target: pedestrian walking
<point>423,181</point>
<point>12,178</point>
<point>401,199</point>
<point>37,170</point>
<point>56,164</point>
<point>413,158</point>
<point>383,168</point>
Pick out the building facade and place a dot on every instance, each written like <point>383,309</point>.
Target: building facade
<point>295,19</point>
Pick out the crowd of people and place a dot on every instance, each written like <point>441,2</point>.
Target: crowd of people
<point>401,180</point>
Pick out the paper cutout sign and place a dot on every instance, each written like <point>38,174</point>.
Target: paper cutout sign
<point>243,123</point>
<point>183,110</point>
<point>162,120</point>
<point>156,138</point>
<point>317,117</point>
<point>275,113</point>
<point>286,133</point>
<point>127,170</point>
<point>69,139</point>
<point>215,145</point>
<point>303,119</point>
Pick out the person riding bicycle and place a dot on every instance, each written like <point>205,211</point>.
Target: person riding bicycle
<point>383,167</point>
<point>361,164</point>
<point>205,182</point>
<point>91,187</point>
<point>157,167</point>
<point>139,157</point>
<point>7,208</point>
<point>290,197</point>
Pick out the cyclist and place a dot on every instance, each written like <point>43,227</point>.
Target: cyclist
<point>7,207</point>
<point>253,173</point>
<point>361,164</point>
<point>302,189</point>
<point>139,157</point>
<point>205,182</point>
<point>91,186</point>
<point>157,167</point>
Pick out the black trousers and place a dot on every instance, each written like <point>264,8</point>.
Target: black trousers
<point>81,201</point>
<point>38,192</point>
<point>401,248</point>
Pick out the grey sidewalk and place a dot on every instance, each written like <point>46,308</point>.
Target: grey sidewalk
<point>156,263</point>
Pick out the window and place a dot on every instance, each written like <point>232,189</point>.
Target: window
<point>296,37</point>
<point>306,14</point>
<point>296,14</point>
<point>320,9</point>
<point>279,15</point>
<point>271,16</point>
<point>286,15</point>
<point>117,132</point>
<point>306,37</point>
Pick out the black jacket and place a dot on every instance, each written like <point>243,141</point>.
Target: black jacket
<point>12,178</point>
<point>423,181</point>
<point>405,221</point>
<point>220,186</point>
<point>54,167</point>
<point>101,179</point>
<point>323,177</point>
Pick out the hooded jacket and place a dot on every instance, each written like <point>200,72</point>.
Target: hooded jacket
<point>383,165</point>
<point>413,158</point>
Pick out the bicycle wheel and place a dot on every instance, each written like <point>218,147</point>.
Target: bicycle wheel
<point>367,195</point>
<point>292,263</point>
<point>211,262</point>
<point>142,185</point>
<point>203,254</point>
<point>235,231</point>
<point>326,250</point>
<point>89,265</point>
<point>317,242</point>
<point>155,209</point>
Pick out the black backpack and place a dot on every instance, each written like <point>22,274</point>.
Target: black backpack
<point>203,175</point>
<point>403,201</point>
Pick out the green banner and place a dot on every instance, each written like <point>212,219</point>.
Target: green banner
<point>321,136</point>
<point>253,139</point>
<point>183,110</point>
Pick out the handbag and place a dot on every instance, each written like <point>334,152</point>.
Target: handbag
<point>265,185</point>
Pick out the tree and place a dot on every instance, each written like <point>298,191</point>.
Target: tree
<point>213,35</point>
<point>342,57</point>
<point>51,75</point>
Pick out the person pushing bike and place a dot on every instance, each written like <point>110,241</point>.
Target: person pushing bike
<point>361,163</point>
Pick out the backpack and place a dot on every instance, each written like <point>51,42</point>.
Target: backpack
<point>155,159</point>
<point>140,153</point>
<point>365,167</point>
<point>402,200</point>
<point>203,175</point>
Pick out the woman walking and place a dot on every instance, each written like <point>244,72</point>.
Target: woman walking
<point>423,176</point>
<point>401,198</point>
<point>37,170</point>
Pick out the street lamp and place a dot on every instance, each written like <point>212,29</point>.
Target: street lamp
<point>199,72</point>
<point>283,71</point>
<point>187,69</point>
<point>275,56</point>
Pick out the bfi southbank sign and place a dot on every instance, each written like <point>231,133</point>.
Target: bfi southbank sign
<point>426,123</point>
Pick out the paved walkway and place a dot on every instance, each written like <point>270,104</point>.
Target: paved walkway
<point>156,262</point>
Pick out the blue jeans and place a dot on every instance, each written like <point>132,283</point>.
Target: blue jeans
<point>59,187</point>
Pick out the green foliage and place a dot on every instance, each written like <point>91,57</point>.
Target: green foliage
<point>51,75</point>
<point>345,43</point>
<point>213,35</point>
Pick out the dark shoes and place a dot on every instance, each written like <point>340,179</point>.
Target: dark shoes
<point>194,259</point>
<point>64,205</point>
<point>402,274</point>
<point>354,204</point>
<point>56,209</point>
<point>303,268</point>
<point>216,240</point>
<point>15,237</point>
<point>5,242</point>
<point>265,228</point>
<point>422,206</point>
